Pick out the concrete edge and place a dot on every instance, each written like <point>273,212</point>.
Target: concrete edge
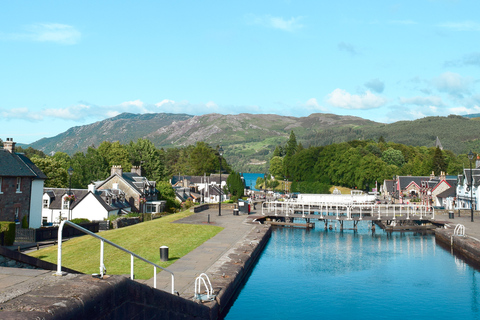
<point>464,246</point>
<point>23,258</point>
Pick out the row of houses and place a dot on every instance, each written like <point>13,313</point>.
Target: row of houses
<point>200,189</point>
<point>23,195</point>
<point>443,191</point>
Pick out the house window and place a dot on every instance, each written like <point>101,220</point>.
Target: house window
<point>19,184</point>
<point>65,204</point>
<point>17,211</point>
<point>45,203</point>
<point>1,185</point>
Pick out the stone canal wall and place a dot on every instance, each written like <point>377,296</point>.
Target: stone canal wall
<point>465,246</point>
<point>80,296</point>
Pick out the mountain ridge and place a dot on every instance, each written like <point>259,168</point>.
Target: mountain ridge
<point>249,139</point>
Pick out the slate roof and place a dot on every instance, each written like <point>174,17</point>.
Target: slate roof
<point>406,180</point>
<point>56,194</point>
<point>450,192</point>
<point>138,183</point>
<point>18,165</point>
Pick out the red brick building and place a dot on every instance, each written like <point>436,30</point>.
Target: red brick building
<point>21,187</point>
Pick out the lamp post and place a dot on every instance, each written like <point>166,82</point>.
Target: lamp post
<point>70,173</point>
<point>470,157</point>
<point>220,152</point>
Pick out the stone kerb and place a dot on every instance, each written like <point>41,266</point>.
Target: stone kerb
<point>124,222</point>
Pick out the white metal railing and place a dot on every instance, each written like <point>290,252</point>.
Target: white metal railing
<point>459,230</point>
<point>325,209</point>
<point>102,266</point>
<point>208,288</point>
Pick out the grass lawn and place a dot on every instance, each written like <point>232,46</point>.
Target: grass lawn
<point>83,253</point>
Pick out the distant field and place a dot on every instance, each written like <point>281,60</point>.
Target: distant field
<point>83,253</point>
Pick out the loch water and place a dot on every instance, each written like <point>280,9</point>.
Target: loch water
<point>323,274</point>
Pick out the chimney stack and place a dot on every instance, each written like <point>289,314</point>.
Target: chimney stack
<point>137,170</point>
<point>117,170</point>
<point>9,145</point>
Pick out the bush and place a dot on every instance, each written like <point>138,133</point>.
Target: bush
<point>8,229</point>
<point>24,222</point>
<point>80,220</point>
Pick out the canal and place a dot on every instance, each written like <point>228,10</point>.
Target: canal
<point>320,274</point>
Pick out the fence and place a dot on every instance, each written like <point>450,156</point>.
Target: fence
<point>51,233</point>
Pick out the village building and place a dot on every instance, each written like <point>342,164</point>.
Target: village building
<point>467,188</point>
<point>200,189</point>
<point>95,205</point>
<point>140,192</point>
<point>21,187</point>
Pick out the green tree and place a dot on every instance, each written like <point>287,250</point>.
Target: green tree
<point>276,167</point>
<point>235,185</point>
<point>392,156</point>
<point>57,176</point>
<point>439,163</point>
<point>143,153</point>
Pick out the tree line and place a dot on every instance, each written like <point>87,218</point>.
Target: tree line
<point>357,163</point>
<point>156,164</point>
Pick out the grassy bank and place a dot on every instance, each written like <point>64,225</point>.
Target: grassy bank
<point>83,253</point>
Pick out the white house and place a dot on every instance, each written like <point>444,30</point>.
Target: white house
<point>467,188</point>
<point>90,204</point>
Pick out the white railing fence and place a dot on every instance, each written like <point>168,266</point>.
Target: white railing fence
<point>325,210</point>
<point>102,265</point>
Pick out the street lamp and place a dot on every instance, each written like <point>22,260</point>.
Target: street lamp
<point>470,157</point>
<point>220,152</point>
<point>70,172</point>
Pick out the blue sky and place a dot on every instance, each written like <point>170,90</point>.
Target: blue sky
<point>66,63</point>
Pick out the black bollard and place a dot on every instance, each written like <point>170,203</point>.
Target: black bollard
<point>208,218</point>
<point>164,253</point>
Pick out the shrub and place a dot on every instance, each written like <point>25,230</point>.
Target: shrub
<point>24,222</point>
<point>8,229</point>
<point>80,220</point>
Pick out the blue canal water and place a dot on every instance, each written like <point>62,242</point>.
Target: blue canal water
<point>251,179</point>
<point>318,274</point>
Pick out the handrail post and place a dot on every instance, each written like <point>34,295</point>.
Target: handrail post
<point>101,259</point>
<point>131,267</point>
<point>155,277</point>
<point>59,253</point>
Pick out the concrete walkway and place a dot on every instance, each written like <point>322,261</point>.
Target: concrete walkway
<point>471,228</point>
<point>187,268</point>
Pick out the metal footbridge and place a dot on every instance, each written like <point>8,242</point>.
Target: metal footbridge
<point>388,214</point>
<point>347,211</point>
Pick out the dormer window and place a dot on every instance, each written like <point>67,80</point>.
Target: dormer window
<point>45,203</point>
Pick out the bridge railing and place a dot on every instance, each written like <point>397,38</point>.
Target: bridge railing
<point>351,211</point>
<point>102,266</point>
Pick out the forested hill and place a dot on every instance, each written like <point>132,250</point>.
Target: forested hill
<point>250,139</point>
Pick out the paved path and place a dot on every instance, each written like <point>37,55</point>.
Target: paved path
<point>187,268</point>
<point>471,228</point>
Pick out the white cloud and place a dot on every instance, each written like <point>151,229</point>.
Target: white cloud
<point>76,112</point>
<point>164,102</point>
<point>50,32</point>
<point>20,113</point>
<point>462,26</point>
<point>423,101</point>
<point>465,110</point>
<point>312,104</point>
<point>453,83</point>
<point>281,23</point>
<point>342,99</point>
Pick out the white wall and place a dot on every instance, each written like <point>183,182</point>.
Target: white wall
<point>36,204</point>
<point>89,208</point>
